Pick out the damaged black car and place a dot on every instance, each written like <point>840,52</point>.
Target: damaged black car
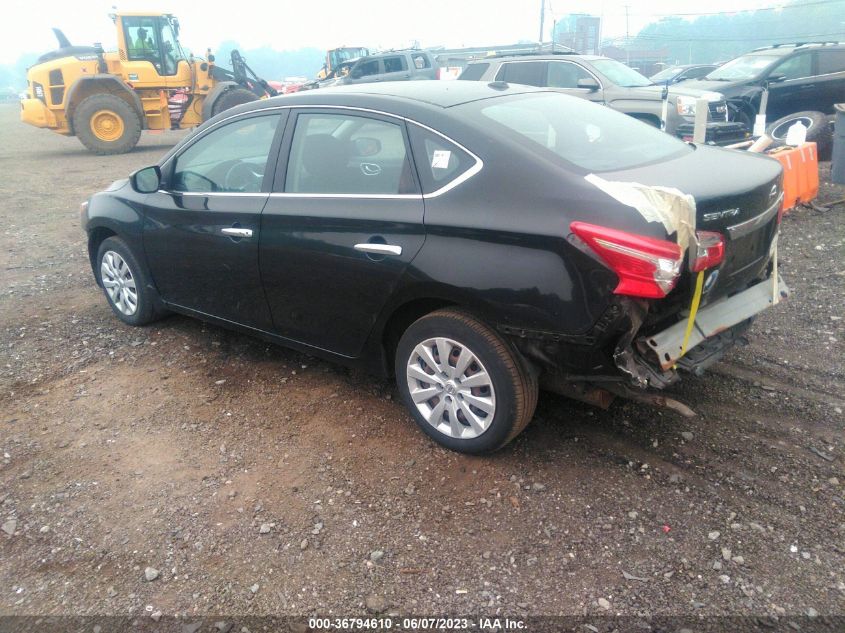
<point>477,242</point>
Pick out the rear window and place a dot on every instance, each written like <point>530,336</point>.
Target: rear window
<point>592,137</point>
<point>474,72</point>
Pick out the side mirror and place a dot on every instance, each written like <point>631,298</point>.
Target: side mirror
<point>364,146</point>
<point>776,78</point>
<point>146,180</point>
<point>588,83</point>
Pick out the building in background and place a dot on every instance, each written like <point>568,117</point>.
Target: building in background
<point>580,32</point>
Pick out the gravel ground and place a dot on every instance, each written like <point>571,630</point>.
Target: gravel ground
<point>181,469</point>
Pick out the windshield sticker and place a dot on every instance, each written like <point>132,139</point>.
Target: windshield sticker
<point>440,159</point>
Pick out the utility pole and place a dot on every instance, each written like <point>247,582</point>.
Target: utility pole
<point>627,37</point>
<point>542,18</point>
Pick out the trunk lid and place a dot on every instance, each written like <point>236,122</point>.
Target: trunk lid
<point>737,194</point>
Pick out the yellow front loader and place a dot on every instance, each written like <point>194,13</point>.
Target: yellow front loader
<point>150,83</point>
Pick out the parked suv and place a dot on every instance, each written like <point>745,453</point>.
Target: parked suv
<point>609,82</point>
<point>390,66</point>
<point>803,78</point>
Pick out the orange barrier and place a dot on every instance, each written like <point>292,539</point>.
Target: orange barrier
<point>800,174</point>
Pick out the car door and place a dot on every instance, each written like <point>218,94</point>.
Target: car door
<point>564,77</point>
<point>395,68</point>
<point>797,91</point>
<point>343,222</point>
<point>201,230</point>
<point>830,66</point>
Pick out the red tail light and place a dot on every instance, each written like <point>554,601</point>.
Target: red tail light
<point>711,250</point>
<point>437,72</point>
<point>647,267</point>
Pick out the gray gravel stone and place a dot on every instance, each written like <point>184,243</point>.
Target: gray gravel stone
<point>151,573</point>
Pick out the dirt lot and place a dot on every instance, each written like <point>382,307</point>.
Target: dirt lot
<point>256,480</point>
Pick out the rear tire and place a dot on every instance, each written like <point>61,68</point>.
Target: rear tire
<point>818,126</point>
<point>487,385</point>
<point>106,124</point>
<point>231,98</point>
<point>125,283</point>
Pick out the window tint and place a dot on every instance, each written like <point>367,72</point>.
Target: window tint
<point>528,73</point>
<point>229,159</point>
<point>831,62</point>
<point>474,72</point>
<point>565,75</point>
<point>421,61</point>
<point>340,153</point>
<point>364,69</point>
<point>587,135</point>
<point>795,67</point>
<point>438,160</point>
<point>395,64</point>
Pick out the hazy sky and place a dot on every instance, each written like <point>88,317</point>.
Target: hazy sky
<point>287,24</point>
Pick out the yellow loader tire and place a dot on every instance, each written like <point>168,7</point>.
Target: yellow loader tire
<point>106,124</point>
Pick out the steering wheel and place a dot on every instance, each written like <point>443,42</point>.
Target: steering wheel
<point>242,178</point>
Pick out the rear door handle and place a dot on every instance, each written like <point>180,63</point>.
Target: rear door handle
<point>379,249</point>
<point>236,232</point>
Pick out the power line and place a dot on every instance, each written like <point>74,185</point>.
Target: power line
<point>794,5</point>
<point>660,38</point>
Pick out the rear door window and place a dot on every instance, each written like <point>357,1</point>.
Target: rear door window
<point>474,72</point>
<point>348,154</point>
<point>831,62</point>
<point>395,64</point>
<point>795,67</point>
<point>439,161</point>
<point>527,73</point>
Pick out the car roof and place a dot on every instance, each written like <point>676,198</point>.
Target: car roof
<point>441,94</point>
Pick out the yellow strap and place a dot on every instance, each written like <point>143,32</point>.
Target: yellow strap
<point>696,299</point>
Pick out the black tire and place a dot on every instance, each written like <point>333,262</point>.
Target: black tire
<point>231,98</point>
<point>86,114</point>
<point>147,305</point>
<point>514,386</point>
<point>819,131</point>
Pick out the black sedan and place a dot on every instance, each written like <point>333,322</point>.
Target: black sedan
<point>473,240</point>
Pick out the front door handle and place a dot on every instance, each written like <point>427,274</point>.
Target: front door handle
<point>379,249</point>
<point>236,232</point>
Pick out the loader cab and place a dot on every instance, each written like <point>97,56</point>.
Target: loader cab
<point>150,50</point>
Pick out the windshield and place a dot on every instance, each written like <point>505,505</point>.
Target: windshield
<point>339,55</point>
<point>590,136</point>
<point>620,74</point>
<point>742,68</point>
<point>666,74</point>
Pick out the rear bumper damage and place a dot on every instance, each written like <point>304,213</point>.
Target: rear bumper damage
<point>654,360</point>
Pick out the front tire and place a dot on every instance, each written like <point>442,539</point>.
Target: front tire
<point>106,124</point>
<point>464,385</point>
<point>127,288</point>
